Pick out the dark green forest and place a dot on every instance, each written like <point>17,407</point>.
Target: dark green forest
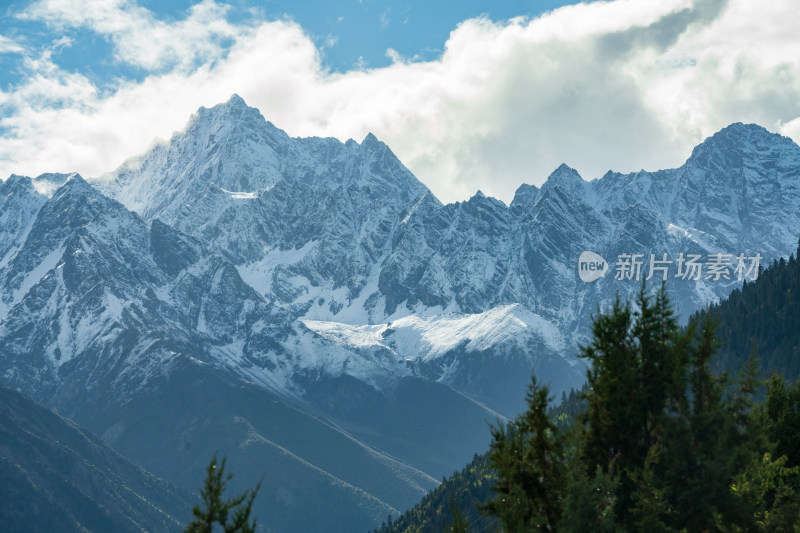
<point>764,314</point>
<point>678,429</point>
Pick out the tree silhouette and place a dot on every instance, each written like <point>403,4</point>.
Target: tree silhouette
<point>233,514</point>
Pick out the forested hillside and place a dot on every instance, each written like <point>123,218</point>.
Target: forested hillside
<point>56,476</point>
<point>764,314</point>
<point>664,442</point>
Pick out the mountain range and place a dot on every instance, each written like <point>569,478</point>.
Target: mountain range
<point>310,309</point>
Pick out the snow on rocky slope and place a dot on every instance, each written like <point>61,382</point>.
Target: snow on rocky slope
<point>343,233</point>
<point>326,276</point>
<point>330,240</point>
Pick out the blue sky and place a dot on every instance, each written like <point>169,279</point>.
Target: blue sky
<point>366,29</point>
<point>470,95</point>
<point>350,34</point>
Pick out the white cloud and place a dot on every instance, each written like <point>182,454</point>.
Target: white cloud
<point>617,85</point>
<point>384,19</point>
<point>139,38</point>
<point>9,46</point>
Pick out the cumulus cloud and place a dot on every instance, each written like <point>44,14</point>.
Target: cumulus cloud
<point>139,38</point>
<point>623,85</point>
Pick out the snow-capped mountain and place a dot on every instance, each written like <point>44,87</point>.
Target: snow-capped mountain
<point>343,233</point>
<point>153,342</point>
<point>297,291</point>
<point>93,290</point>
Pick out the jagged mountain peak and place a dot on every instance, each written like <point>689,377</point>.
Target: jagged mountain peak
<point>370,140</point>
<point>331,230</point>
<point>742,156</point>
<point>19,203</point>
<point>236,101</point>
<point>479,199</point>
<point>72,209</point>
<point>47,184</point>
<point>741,131</point>
<point>56,178</point>
<point>44,184</point>
<point>234,104</point>
<point>738,142</point>
<point>565,174</point>
<point>566,178</point>
<point>16,181</point>
<point>232,115</point>
<point>309,265</point>
<point>525,195</point>
<point>75,189</point>
<point>230,151</point>
<point>73,180</point>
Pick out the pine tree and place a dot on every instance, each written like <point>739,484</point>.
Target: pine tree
<point>460,523</point>
<point>616,420</point>
<point>612,419</point>
<point>528,457</point>
<point>654,330</point>
<point>233,515</point>
<point>783,410</point>
<point>590,499</point>
<point>658,421</point>
<point>658,442</point>
<point>706,490</point>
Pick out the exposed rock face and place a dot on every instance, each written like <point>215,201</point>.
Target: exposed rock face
<point>323,278</point>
